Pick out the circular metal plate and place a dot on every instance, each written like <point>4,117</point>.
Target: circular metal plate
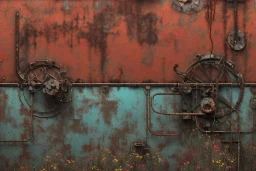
<point>239,43</point>
<point>188,6</point>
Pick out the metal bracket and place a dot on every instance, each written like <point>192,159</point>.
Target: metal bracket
<point>236,38</point>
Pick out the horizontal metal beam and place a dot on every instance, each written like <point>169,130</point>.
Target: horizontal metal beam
<point>138,84</point>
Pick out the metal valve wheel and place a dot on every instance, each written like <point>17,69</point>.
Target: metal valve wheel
<point>210,79</point>
<point>50,86</point>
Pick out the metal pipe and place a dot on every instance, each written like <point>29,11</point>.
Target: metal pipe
<point>148,118</point>
<point>226,132</point>
<point>171,114</point>
<point>137,84</point>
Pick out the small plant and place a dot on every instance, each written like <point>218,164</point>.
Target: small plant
<point>103,160</point>
<point>210,154</point>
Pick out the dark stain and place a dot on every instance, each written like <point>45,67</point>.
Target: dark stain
<point>66,149</point>
<point>48,33</point>
<point>148,81</point>
<point>119,77</point>
<point>4,163</point>
<point>28,37</point>
<point>64,28</point>
<point>120,134</point>
<point>80,90</point>
<point>142,26</point>
<point>26,154</point>
<point>77,127</point>
<point>71,34</point>
<point>163,69</point>
<point>89,147</point>
<point>3,104</point>
<point>109,108</point>
<point>98,32</point>
<point>147,29</point>
<point>24,111</point>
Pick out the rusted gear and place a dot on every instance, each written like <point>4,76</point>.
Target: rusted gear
<point>206,76</point>
<point>44,74</point>
<point>51,87</point>
<point>207,105</point>
<point>48,78</point>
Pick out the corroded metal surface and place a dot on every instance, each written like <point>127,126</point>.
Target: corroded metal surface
<point>111,41</point>
<point>109,85</point>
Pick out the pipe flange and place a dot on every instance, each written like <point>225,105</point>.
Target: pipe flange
<point>207,105</point>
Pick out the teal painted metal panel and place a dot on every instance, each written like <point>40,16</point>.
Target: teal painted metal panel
<point>114,118</point>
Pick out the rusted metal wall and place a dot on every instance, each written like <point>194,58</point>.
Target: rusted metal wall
<point>120,41</point>
<point>125,41</point>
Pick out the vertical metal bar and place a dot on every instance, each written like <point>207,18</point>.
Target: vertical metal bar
<point>17,45</point>
<point>235,20</point>
<point>238,156</point>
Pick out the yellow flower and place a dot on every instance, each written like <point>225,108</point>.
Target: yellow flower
<point>68,161</point>
<point>115,160</point>
<point>138,156</point>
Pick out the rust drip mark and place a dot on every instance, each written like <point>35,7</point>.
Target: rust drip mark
<point>224,12</point>
<point>119,77</point>
<point>147,29</point>
<point>25,156</point>
<point>99,31</point>
<point>28,32</point>
<point>210,17</point>
<point>48,33</point>
<point>143,26</point>
<point>163,68</point>
<point>71,34</point>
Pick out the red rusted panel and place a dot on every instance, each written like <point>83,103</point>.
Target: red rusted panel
<point>120,41</point>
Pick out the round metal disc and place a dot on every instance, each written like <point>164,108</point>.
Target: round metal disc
<point>239,43</point>
<point>188,6</point>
